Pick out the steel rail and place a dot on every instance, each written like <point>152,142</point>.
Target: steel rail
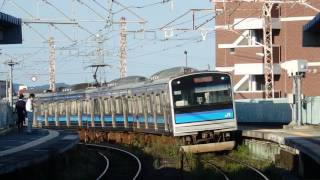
<point>219,170</point>
<point>105,169</point>
<point>124,151</point>
<point>250,167</point>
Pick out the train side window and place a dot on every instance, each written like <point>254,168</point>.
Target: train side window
<point>129,104</point>
<point>96,106</point>
<point>118,105</point>
<point>74,108</point>
<point>125,103</point>
<point>140,106</point>
<point>158,104</point>
<point>62,108</point>
<point>51,109</point>
<point>149,108</point>
<point>107,109</point>
<point>84,107</point>
<point>112,105</point>
<point>41,109</point>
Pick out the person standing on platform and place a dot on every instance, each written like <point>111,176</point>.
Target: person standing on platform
<point>30,109</point>
<point>21,112</point>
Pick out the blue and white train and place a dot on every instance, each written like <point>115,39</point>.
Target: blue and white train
<point>197,106</point>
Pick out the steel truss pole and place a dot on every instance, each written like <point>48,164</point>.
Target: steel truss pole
<point>268,50</point>
<point>52,65</point>
<point>123,50</point>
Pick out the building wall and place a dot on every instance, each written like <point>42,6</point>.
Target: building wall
<point>287,44</point>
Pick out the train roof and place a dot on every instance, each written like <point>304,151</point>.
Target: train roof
<point>126,81</point>
<point>172,72</point>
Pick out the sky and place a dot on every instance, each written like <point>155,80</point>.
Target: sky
<point>76,47</point>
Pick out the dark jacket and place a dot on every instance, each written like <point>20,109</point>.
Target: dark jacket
<point>21,109</point>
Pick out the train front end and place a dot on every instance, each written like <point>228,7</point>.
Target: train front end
<point>203,110</point>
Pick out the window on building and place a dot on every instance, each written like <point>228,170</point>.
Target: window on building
<point>250,83</point>
<point>255,35</point>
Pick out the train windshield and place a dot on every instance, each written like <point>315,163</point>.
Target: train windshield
<point>202,97</point>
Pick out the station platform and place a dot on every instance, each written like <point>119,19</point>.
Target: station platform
<point>20,150</point>
<point>306,139</point>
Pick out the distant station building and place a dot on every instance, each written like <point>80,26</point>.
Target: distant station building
<point>240,50</point>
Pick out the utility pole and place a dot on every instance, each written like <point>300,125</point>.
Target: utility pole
<point>186,54</point>
<point>52,65</point>
<point>99,60</point>
<point>123,46</point>
<point>11,64</point>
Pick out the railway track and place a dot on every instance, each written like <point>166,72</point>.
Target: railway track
<point>229,175</point>
<point>120,164</point>
<point>259,173</point>
<point>106,168</point>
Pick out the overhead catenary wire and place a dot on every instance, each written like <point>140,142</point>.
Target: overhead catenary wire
<point>2,5</point>
<point>132,47</point>
<point>90,8</point>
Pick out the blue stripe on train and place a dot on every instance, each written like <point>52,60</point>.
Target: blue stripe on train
<point>204,116</point>
<point>107,118</point>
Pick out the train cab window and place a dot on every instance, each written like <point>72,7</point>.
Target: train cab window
<point>202,93</point>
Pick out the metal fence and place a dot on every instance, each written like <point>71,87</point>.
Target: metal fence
<point>5,115</point>
<point>311,110</point>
